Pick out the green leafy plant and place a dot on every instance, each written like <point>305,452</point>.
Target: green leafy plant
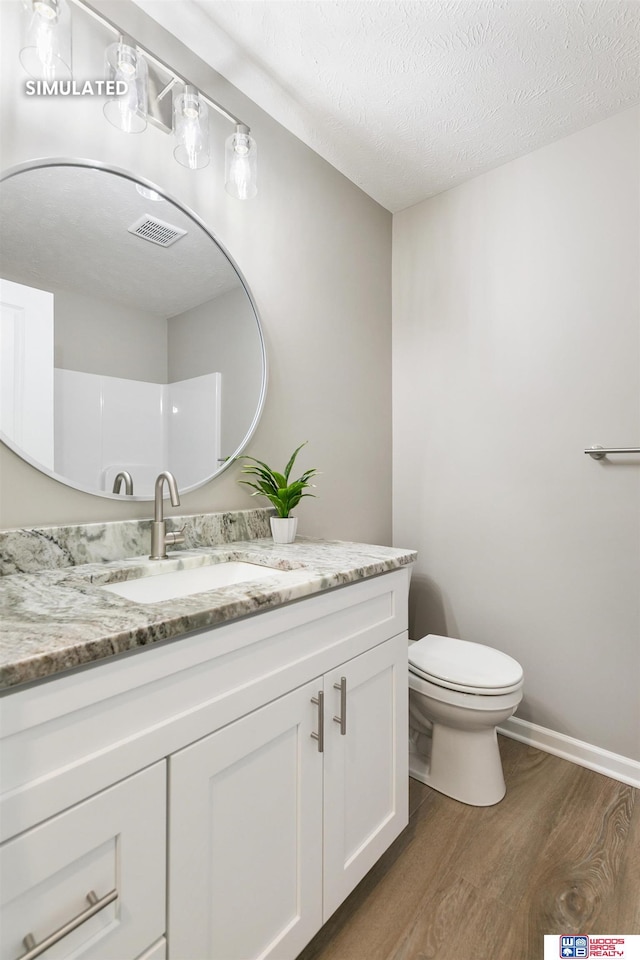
<point>284,495</point>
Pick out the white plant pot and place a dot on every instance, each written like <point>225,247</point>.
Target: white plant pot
<point>283,529</point>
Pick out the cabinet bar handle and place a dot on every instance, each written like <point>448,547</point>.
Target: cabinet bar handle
<point>342,719</point>
<point>95,906</point>
<point>596,452</point>
<point>319,736</point>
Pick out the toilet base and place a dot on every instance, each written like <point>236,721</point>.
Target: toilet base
<point>462,764</point>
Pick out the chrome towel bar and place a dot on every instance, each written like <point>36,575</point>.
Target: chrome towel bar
<point>598,452</point>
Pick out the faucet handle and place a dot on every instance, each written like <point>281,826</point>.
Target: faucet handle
<point>174,536</point>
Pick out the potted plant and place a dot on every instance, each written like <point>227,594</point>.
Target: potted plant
<point>281,492</point>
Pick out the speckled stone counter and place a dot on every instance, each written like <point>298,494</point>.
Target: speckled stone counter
<point>54,616</point>
<point>56,548</point>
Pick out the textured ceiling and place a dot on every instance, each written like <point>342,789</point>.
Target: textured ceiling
<point>49,212</point>
<point>409,99</point>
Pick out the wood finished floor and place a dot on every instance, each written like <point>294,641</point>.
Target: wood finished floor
<point>559,855</point>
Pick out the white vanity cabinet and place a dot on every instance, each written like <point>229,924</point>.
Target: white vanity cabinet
<point>366,781</point>
<point>245,828</point>
<point>277,800</point>
<point>109,849</point>
<point>274,819</point>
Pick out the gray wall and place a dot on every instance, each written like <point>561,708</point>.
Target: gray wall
<point>109,339</point>
<point>516,344</point>
<point>316,253</point>
<point>220,336</point>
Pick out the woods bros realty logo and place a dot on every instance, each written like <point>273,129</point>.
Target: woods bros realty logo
<point>581,946</point>
<point>76,88</point>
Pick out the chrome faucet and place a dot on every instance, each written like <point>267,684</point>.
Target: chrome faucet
<point>125,476</point>
<point>160,539</point>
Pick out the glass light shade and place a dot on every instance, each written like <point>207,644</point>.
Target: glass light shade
<point>127,112</point>
<point>191,129</point>
<point>241,164</point>
<point>46,50</point>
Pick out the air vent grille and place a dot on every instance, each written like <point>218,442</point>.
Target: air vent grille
<point>156,231</point>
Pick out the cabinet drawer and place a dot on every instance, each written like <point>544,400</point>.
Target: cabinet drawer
<point>114,841</point>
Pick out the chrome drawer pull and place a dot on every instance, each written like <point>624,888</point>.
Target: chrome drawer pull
<point>342,719</point>
<point>319,736</point>
<point>95,906</point>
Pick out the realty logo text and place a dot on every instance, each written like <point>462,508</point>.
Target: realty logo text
<point>579,947</point>
<point>76,88</point>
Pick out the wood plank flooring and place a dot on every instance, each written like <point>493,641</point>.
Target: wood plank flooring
<point>559,855</point>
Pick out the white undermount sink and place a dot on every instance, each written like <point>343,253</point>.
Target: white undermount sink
<point>183,583</point>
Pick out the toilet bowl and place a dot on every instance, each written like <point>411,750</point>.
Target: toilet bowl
<point>458,694</point>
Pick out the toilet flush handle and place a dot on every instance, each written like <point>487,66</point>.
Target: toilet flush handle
<point>342,719</point>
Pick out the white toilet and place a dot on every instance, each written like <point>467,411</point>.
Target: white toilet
<point>458,694</point>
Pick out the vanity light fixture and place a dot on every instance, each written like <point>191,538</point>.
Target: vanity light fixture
<point>241,164</point>
<point>128,111</point>
<point>46,50</point>
<point>150,84</point>
<point>191,129</point>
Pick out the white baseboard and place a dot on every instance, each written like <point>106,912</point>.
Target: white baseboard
<point>577,751</point>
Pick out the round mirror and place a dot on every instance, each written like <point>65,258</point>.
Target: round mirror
<point>129,340</point>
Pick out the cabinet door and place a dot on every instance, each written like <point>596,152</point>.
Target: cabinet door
<point>245,836</point>
<point>112,843</point>
<point>366,775</point>
<point>157,952</point>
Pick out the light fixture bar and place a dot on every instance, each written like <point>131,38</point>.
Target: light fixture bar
<point>152,58</point>
<point>97,16</point>
<point>168,87</point>
<point>177,78</point>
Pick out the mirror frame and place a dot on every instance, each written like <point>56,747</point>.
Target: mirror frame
<point>41,163</point>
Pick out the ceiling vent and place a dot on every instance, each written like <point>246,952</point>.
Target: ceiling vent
<point>156,231</point>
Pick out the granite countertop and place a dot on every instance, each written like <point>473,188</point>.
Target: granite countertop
<point>53,620</point>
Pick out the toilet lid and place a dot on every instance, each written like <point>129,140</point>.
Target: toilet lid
<point>459,664</point>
